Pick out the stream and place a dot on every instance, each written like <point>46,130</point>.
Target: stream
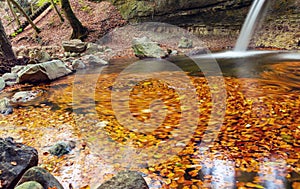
<point>221,121</point>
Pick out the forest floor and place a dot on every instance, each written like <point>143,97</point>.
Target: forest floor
<point>99,18</point>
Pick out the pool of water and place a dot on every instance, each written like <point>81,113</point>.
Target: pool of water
<point>208,121</point>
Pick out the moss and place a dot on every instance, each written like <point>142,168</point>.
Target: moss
<point>132,9</point>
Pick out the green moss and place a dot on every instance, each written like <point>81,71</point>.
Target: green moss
<point>132,8</point>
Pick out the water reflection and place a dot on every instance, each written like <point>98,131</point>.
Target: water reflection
<point>223,174</point>
<point>257,146</point>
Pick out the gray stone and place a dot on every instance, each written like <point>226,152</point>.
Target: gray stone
<point>39,55</point>
<point>94,60</point>
<point>74,45</point>
<point>25,96</point>
<point>174,52</point>
<point>16,69</point>
<point>125,180</point>
<point>10,76</point>
<point>10,83</point>
<point>59,149</point>
<point>145,48</point>
<point>46,71</point>
<point>41,176</point>
<point>5,107</point>
<point>30,185</point>
<point>78,64</point>
<point>15,159</point>
<point>185,43</point>
<point>2,83</point>
<point>197,51</point>
<point>93,48</point>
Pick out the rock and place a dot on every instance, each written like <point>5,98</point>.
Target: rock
<point>10,83</point>
<point>185,43</point>
<point>174,52</point>
<point>5,107</point>
<point>74,45</point>
<point>15,160</point>
<point>10,76</point>
<point>93,48</point>
<point>61,148</point>
<point>94,60</point>
<point>67,54</point>
<point>46,71</point>
<point>73,54</point>
<point>197,51</point>
<point>2,83</point>
<point>25,96</point>
<point>145,48</point>
<point>16,69</point>
<point>39,55</point>
<point>125,180</point>
<point>78,64</point>
<point>30,185</point>
<point>41,176</point>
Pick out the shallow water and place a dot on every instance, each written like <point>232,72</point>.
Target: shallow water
<point>184,122</point>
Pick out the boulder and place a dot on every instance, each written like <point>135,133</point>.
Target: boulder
<point>74,45</point>
<point>16,69</point>
<point>10,77</point>
<point>2,83</point>
<point>185,43</point>
<point>5,107</point>
<point>41,176</point>
<point>78,64</point>
<point>30,185</point>
<point>46,71</point>
<point>145,48</point>
<point>15,160</point>
<point>94,60</point>
<point>125,180</point>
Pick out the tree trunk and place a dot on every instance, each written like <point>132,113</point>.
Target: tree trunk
<point>14,13</point>
<point>57,11</point>
<point>5,45</point>
<point>37,30</point>
<point>79,31</point>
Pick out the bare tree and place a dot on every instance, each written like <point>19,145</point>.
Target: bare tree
<point>57,11</point>
<point>37,30</point>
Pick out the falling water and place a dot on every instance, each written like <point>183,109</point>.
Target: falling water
<point>257,10</point>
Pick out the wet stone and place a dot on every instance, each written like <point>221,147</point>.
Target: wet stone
<point>30,185</point>
<point>62,148</point>
<point>25,96</point>
<point>5,107</point>
<point>41,176</point>
<point>15,159</point>
<point>125,180</point>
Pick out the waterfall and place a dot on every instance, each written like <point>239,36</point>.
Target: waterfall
<point>257,9</point>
